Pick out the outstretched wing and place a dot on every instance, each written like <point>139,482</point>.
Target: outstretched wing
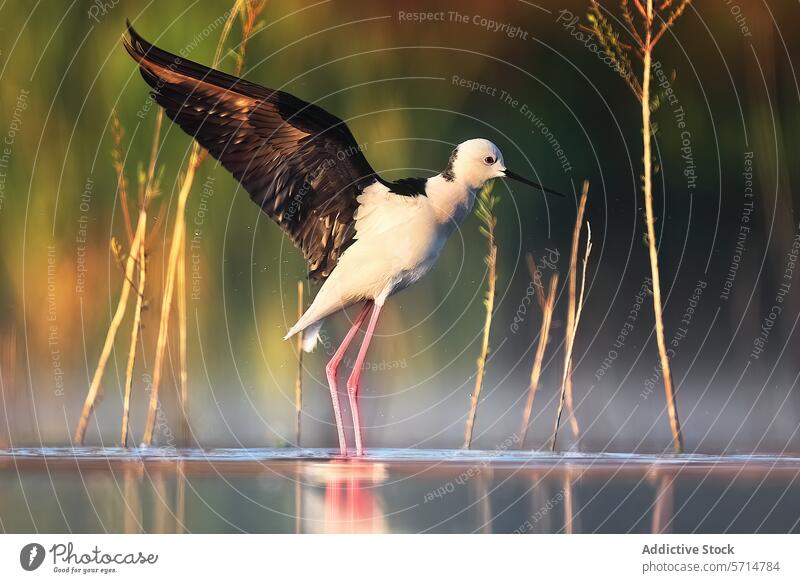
<point>298,162</point>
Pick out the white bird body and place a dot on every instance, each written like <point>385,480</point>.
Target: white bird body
<point>398,240</point>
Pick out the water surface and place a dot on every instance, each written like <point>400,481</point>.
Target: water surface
<point>313,490</point>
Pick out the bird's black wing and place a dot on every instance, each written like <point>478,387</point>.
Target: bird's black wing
<point>298,162</point>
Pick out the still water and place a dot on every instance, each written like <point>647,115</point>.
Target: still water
<point>310,491</point>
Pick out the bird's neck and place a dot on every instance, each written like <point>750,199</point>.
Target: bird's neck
<point>452,200</point>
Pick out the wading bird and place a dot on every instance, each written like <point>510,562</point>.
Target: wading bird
<point>364,237</point>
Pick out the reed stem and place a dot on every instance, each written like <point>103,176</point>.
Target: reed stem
<point>298,384</point>
<point>485,213</point>
<point>184,364</point>
<point>573,315</point>
<point>137,320</point>
<point>674,422</point>
<point>536,371</point>
<point>166,301</point>
<point>147,190</point>
<point>94,388</point>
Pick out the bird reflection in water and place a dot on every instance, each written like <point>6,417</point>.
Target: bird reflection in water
<point>343,497</point>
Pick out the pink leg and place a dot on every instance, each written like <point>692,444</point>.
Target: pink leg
<point>333,367</point>
<point>355,377</point>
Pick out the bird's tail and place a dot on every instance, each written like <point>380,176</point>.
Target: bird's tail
<point>310,334</point>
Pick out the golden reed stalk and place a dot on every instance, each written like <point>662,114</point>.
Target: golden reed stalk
<point>544,333</point>
<point>166,301</point>
<point>674,422</point>
<point>147,190</point>
<point>573,315</point>
<point>298,383</point>
<point>94,388</point>
<point>182,348</point>
<point>485,213</point>
<point>484,354</point>
<point>137,320</point>
<point>667,13</point>
<point>136,257</point>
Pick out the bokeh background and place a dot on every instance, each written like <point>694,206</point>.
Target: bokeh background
<point>724,254</point>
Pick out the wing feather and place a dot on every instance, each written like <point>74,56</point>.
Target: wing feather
<point>299,163</point>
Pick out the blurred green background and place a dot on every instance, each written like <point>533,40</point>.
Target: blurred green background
<point>397,82</point>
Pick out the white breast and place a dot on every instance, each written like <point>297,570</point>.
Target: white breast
<point>398,238</point>
<point>451,201</point>
<point>397,241</point>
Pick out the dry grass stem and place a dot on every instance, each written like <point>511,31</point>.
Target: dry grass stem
<point>670,20</point>
<point>119,169</point>
<point>571,329</point>
<point>182,348</point>
<point>135,258</point>
<point>573,315</point>
<point>147,190</point>
<point>249,15</point>
<point>94,388</point>
<point>484,354</point>
<point>572,332</point>
<point>485,212</point>
<point>536,371</point>
<point>536,278</point>
<point>667,13</point>
<point>298,384</point>
<point>166,301</point>
<point>674,422</point>
<point>137,320</point>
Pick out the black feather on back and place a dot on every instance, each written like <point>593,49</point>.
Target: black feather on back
<point>408,186</point>
<point>298,162</point>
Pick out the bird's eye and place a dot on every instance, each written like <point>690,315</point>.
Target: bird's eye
<point>489,160</point>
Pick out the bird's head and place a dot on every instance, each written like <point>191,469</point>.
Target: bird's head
<point>477,161</point>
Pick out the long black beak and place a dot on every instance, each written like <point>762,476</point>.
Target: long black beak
<point>523,180</point>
